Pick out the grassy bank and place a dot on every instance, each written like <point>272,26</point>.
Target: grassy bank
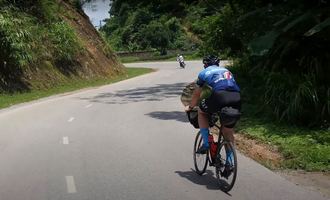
<point>301,148</point>
<point>301,145</point>
<point>7,100</point>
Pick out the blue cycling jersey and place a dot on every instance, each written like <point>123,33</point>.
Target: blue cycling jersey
<point>219,78</point>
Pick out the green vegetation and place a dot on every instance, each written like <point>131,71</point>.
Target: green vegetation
<point>23,36</point>
<point>40,46</point>
<point>146,25</point>
<point>285,56</point>
<point>301,148</point>
<point>66,43</point>
<point>31,32</point>
<point>68,85</point>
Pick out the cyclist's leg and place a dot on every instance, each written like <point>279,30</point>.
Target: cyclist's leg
<point>232,99</point>
<point>228,133</point>
<point>203,121</point>
<point>204,129</point>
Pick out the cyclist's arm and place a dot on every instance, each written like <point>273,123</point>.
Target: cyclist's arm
<point>195,97</point>
<point>198,90</point>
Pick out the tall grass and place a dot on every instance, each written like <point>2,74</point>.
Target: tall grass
<point>66,43</point>
<point>16,36</point>
<point>301,99</point>
<point>21,30</point>
<point>296,84</point>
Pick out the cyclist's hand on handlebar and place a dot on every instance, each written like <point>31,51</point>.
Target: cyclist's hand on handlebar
<point>188,108</point>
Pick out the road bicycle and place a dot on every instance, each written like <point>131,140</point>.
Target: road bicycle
<point>225,166</point>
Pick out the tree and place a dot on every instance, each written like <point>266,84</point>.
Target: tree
<point>158,35</point>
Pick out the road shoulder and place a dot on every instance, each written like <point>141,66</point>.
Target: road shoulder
<point>269,157</point>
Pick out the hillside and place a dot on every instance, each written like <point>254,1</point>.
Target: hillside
<point>46,43</point>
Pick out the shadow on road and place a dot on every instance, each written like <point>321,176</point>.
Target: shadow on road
<point>174,115</point>
<point>208,179</point>
<point>139,94</point>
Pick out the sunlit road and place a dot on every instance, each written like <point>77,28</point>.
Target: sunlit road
<point>129,140</point>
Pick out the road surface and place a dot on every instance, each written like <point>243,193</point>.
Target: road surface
<point>125,141</point>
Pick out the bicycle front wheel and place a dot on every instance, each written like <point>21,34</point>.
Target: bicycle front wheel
<point>200,160</point>
<point>226,166</point>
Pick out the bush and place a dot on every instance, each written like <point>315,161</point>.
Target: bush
<point>142,27</point>
<point>65,41</point>
<point>43,9</point>
<point>16,37</point>
<point>158,36</point>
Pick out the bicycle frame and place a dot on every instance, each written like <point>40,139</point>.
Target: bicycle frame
<point>220,136</point>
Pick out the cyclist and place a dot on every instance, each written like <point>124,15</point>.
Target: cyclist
<point>225,93</point>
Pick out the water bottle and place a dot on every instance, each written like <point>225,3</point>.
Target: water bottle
<point>213,147</point>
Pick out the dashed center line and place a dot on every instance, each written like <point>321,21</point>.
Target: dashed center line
<point>71,119</point>
<point>70,184</point>
<point>89,105</point>
<point>65,140</point>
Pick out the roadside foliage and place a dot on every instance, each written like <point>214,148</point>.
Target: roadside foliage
<point>281,53</point>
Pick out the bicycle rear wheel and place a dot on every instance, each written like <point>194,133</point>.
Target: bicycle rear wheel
<point>200,160</point>
<point>226,166</point>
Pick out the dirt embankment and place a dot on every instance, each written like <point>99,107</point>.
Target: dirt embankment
<point>98,58</point>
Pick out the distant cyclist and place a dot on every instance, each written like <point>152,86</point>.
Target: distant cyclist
<point>225,93</point>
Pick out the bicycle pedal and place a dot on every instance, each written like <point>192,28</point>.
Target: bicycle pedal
<point>218,163</point>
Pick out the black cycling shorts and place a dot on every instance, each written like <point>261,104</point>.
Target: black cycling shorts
<point>221,99</point>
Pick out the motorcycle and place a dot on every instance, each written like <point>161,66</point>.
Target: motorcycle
<point>182,64</point>
<point>180,59</point>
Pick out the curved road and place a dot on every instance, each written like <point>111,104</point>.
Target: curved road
<point>125,141</point>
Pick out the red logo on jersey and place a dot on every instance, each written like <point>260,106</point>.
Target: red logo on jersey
<point>227,75</point>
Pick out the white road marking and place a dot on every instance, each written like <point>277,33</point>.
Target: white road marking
<point>71,119</point>
<point>65,140</point>
<point>70,184</point>
<point>89,105</point>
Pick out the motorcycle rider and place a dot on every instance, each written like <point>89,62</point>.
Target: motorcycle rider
<point>180,59</point>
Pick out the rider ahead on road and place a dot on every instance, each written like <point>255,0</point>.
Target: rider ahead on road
<point>180,58</point>
<point>225,93</point>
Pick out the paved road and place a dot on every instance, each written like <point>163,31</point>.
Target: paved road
<point>125,141</point>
